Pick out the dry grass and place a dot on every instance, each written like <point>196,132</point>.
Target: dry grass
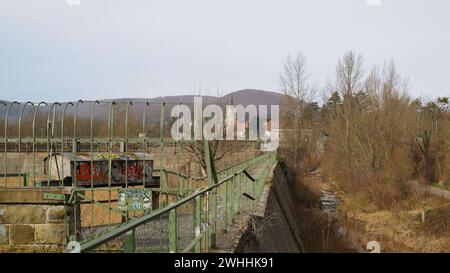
<point>401,230</point>
<point>321,231</point>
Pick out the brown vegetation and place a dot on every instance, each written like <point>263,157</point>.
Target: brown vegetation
<point>370,138</point>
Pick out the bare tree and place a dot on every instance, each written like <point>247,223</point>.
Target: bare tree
<point>195,151</point>
<point>299,95</point>
<point>349,73</point>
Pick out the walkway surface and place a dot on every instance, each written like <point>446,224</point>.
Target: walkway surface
<point>433,190</point>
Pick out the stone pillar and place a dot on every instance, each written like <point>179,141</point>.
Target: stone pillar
<point>31,223</point>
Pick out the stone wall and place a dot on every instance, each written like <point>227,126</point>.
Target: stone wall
<point>273,228</point>
<point>30,223</point>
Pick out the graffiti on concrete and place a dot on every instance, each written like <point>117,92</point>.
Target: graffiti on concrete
<point>121,172</point>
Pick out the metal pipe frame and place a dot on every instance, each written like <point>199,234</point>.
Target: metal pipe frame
<point>219,188</point>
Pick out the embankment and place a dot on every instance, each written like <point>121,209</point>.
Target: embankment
<point>274,227</point>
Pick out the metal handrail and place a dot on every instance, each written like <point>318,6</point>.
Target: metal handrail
<point>132,224</point>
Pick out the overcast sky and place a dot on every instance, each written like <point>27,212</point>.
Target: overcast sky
<point>53,51</point>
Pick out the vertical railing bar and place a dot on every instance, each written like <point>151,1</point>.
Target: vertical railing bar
<point>34,141</point>
<point>74,147</point>
<point>74,174</point>
<point>6,140</point>
<point>126,142</point>
<point>177,162</point>
<point>53,147</point>
<point>130,241</point>
<point>197,222</point>
<point>206,222</point>
<point>20,139</point>
<point>163,178</point>
<point>145,143</point>
<point>50,131</point>
<point>162,162</point>
<point>4,104</point>
<point>232,197</point>
<point>212,180</point>
<point>110,139</point>
<point>224,205</point>
<point>239,191</point>
<point>62,139</point>
<point>91,167</point>
<point>173,230</point>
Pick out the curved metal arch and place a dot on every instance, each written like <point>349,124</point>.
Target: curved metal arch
<point>110,143</point>
<point>111,119</point>
<point>6,140</point>
<point>34,139</point>
<point>62,119</point>
<point>127,110</point>
<point>92,140</point>
<point>20,133</point>
<point>74,147</point>
<point>51,111</point>
<point>75,117</point>
<point>92,118</point>
<point>7,116</point>
<point>144,116</point>
<point>62,137</point>
<point>21,115</point>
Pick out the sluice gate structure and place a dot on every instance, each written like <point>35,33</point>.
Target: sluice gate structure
<point>105,176</point>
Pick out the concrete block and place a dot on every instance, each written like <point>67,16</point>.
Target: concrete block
<point>22,214</point>
<point>31,195</point>
<point>4,234</point>
<point>55,214</point>
<point>31,249</point>
<point>50,234</point>
<point>21,234</point>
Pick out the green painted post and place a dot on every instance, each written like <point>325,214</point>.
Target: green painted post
<point>173,232</point>
<point>206,215</point>
<point>224,206</point>
<point>232,199</point>
<point>212,180</point>
<point>197,217</point>
<point>248,187</point>
<point>162,161</point>
<point>110,147</point>
<point>34,141</point>
<point>239,186</point>
<point>125,144</point>
<point>254,189</point>
<point>62,137</point>
<point>49,143</point>
<point>181,182</point>
<point>25,180</point>
<point>129,244</point>
<point>6,142</point>
<point>177,162</point>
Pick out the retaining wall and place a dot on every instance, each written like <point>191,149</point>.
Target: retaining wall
<point>30,223</point>
<point>273,228</point>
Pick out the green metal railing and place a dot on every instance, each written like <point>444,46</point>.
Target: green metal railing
<point>206,204</point>
<point>191,204</point>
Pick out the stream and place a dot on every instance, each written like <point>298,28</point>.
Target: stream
<point>329,202</point>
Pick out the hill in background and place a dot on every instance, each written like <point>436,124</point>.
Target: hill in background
<point>243,97</point>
